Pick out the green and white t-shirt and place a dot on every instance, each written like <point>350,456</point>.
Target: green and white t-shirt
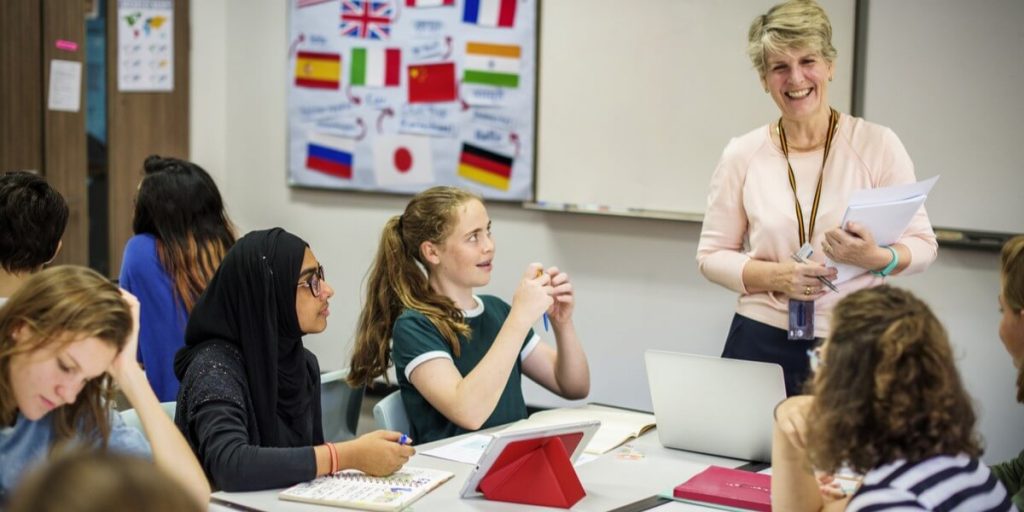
<point>415,341</point>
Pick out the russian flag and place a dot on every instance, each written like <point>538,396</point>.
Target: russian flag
<point>330,154</point>
<point>490,13</point>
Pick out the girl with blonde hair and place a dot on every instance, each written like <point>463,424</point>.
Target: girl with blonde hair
<point>460,356</point>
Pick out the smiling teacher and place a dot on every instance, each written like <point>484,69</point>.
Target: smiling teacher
<point>788,183</point>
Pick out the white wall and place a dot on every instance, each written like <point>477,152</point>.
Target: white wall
<point>638,286</point>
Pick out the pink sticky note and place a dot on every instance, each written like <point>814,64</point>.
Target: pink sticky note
<point>67,45</point>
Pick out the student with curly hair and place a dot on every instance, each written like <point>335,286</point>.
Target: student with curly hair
<point>1011,331</point>
<point>887,401</point>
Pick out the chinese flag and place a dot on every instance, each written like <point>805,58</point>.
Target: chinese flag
<point>432,83</point>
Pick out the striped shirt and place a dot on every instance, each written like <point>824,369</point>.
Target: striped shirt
<point>946,483</point>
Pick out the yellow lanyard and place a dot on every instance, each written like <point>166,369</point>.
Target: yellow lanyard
<point>833,123</point>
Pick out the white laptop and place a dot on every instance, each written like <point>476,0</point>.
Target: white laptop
<point>714,405</point>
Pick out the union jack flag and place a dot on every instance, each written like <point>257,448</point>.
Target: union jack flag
<point>367,19</point>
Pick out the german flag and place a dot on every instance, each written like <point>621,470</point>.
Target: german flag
<point>485,167</point>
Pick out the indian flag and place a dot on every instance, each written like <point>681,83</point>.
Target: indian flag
<point>318,70</point>
<point>376,67</point>
<point>491,64</point>
<point>485,167</point>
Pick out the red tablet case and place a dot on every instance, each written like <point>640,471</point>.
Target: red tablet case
<point>729,487</point>
<point>535,472</point>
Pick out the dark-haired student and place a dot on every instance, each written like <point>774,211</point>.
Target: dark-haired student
<point>181,234</point>
<point>33,217</point>
<point>887,402</point>
<point>249,402</point>
<point>1011,332</point>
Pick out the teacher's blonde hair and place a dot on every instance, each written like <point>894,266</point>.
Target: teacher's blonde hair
<point>796,24</point>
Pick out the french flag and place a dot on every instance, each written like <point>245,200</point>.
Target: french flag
<point>330,154</point>
<point>490,13</point>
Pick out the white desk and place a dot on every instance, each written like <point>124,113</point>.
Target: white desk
<point>610,481</point>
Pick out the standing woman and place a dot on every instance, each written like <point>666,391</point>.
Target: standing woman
<point>181,234</point>
<point>67,338</point>
<point>789,182</point>
<point>249,402</point>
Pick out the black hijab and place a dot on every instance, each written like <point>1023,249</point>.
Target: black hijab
<point>250,304</point>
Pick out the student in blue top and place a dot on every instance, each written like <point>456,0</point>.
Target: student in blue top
<point>181,235</point>
<point>460,356</point>
<point>67,337</point>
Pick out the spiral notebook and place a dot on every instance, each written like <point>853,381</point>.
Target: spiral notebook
<point>354,489</point>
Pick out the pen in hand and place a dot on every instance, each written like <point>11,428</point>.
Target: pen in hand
<point>404,440</point>
<point>825,282</point>
<point>540,272</point>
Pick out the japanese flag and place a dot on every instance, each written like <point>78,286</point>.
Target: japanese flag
<point>402,160</point>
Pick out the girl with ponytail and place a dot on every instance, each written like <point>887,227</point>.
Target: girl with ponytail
<point>459,356</point>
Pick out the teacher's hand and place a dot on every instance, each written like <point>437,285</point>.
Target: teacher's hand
<point>855,246</point>
<point>800,280</point>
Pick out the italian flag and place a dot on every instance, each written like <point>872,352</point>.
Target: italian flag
<point>376,67</point>
<point>491,64</point>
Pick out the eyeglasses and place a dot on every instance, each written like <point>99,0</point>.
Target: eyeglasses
<point>814,355</point>
<point>314,281</point>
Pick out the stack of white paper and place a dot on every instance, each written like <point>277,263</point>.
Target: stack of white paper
<point>886,212</point>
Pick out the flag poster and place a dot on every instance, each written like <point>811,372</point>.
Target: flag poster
<point>398,96</point>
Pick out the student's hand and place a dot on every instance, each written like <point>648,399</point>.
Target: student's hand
<point>795,280</point>
<point>126,359</point>
<point>855,245</point>
<point>533,295</point>
<point>563,294</point>
<point>830,489</point>
<point>791,419</point>
<point>377,453</point>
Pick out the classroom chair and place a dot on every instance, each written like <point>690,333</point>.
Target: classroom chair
<point>340,406</point>
<point>390,413</point>
<point>131,418</point>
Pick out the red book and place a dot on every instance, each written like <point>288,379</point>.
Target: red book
<point>729,487</point>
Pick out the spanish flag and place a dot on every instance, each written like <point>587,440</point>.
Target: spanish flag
<point>318,70</point>
<point>485,167</point>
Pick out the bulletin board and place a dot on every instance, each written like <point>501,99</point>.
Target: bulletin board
<point>400,95</point>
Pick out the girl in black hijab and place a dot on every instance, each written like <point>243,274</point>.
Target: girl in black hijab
<point>249,402</point>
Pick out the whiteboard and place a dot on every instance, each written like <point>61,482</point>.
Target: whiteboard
<point>391,97</point>
<point>948,77</point>
<point>636,105</point>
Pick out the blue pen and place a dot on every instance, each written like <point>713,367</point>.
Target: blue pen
<point>540,272</point>
<point>404,440</point>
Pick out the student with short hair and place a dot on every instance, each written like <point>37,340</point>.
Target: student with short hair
<point>33,217</point>
<point>181,234</point>
<point>887,402</point>
<point>1011,332</point>
<point>460,356</point>
<point>249,401</point>
<point>67,345</point>
<point>89,481</point>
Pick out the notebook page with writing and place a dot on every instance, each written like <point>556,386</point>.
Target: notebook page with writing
<point>354,489</point>
<point>617,425</point>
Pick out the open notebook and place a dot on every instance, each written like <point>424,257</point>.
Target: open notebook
<point>354,489</point>
<point>617,425</point>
